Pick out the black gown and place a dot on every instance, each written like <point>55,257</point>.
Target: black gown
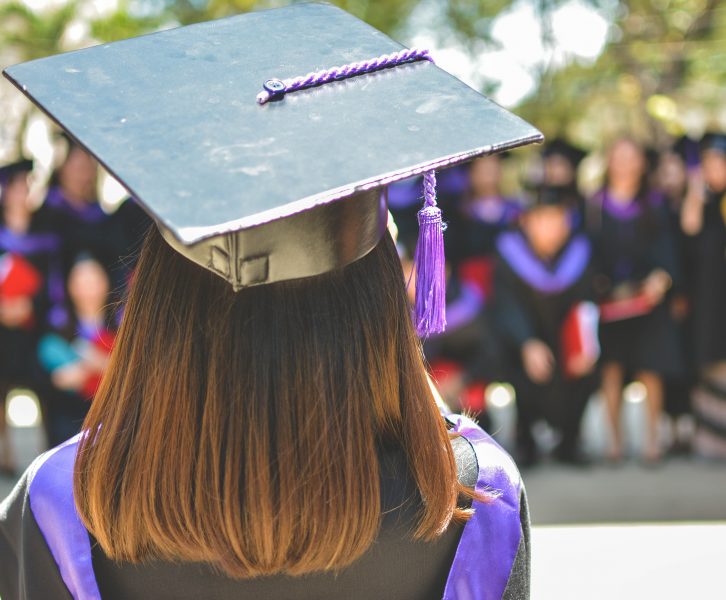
<point>709,314</point>
<point>395,567</point>
<point>630,242</point>
<point>532,301</point>
<point>113,239</point>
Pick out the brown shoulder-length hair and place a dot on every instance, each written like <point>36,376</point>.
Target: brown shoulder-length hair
<point>242,429</point>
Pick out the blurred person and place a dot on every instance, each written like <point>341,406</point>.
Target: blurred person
<point>543,298</point>
<point>709,319</point>
<point>467,354</point>
<point>76,357</point>
<point>673,177</point>
<point>635,268</point>
<point>84,226</point>
<point>560,162</point>
<point>483,214</point>
<point>461,358</point>
<point>27,268</point>
<point>265,427</point>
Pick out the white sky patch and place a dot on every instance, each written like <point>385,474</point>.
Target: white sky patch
<point>578,31</point>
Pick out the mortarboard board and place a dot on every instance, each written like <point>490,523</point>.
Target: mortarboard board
<point>560,147</point>
<point>551,195</point>
<point>8,172</point>
<point>263,193</point>
<point>714,141</point>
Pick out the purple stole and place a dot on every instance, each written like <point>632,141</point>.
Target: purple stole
<point>90,213</point>
<point>568,268</point>
<point>481,566</point>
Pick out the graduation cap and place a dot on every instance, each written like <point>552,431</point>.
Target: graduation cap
<point>284,185</point>
<point>551,195</point>
<point>714,141</point>
<point>687,149</point>
<point>560,147</point>
<point>9,172</point>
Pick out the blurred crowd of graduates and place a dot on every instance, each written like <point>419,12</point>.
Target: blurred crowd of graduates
<point>562,294</point>
<point>556,292</point>
<point>64,267</point>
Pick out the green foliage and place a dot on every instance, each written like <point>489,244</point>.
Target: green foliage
<point>664,62</point>
<point>662,74</point>
<point>34,35</point>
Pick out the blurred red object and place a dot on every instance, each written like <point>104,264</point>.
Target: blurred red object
<point>479,271</point>
<point>620,309</point>
<point>18,277</point>
<point>580,343</point>
<point>473,397</point>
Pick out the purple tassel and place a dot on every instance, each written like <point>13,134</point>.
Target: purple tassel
<point>430,264</point>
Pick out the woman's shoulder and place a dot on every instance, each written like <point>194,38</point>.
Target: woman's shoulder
<point>478,453</point>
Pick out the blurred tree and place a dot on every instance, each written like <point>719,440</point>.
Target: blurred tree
<point>663,70</point>
<point>662,74</point>
<point>30,34</point>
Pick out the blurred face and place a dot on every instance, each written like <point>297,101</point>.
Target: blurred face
<point>78,175</point>
<point>15,194</point>
<point>88,287</point>
<point>671,175</point>
<point>547,228</point>
<point>558,170</point>
<point>626,163</point>
<point>714,169</point>
<point>485,174</point>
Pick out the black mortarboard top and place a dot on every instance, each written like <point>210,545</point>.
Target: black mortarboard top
<point>9,171</point>
<point>263,193</point>
<point>714,141</point>
<point>550,195</point>
<point>563,148</point>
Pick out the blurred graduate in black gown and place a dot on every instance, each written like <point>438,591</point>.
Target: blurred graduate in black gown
<point>84,226</point>
<point>704,217</point>
<point>677,168</point>
<point>560,161</point>
<point>636,266</point>
<point>27,251</point>
<point>75,356</point>
<point>547,322</point>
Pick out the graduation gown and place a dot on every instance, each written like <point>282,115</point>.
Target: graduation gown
<point>114,239</point>
<point>631,241</point>
<point>46,554</point>
<point>532,300</point>
<point>709,297</point>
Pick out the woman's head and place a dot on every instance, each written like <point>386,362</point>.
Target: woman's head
<point>15,192</point>
<point>671,175</point>
<point>242,429</point>
<point>714,168</point>
<point>627,163</point>
<point>485,175</point>
<point>78,175</point>
<point>88,286</point>
<point>547,228</point>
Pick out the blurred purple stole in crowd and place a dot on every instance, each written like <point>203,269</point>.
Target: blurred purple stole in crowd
<point>481,566</point>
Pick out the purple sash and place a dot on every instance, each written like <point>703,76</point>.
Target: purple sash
<point>28,244</point>
<point>625,211</point>
<point>488,546</point>
<point>481,567</point>
<point>517,253</point>
<point>88,213</point>
<point>51,501</point>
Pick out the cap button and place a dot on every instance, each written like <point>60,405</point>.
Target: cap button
<point>275,87</point>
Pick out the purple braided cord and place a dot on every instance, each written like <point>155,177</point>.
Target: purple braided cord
<point>429,187</point>
<point>343,72</point>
